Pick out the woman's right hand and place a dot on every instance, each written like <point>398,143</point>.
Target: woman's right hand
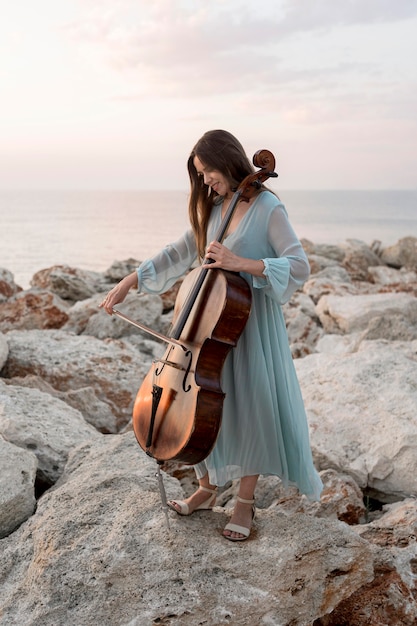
<point>119,292</point>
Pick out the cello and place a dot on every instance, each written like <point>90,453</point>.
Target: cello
<point>178,408</point>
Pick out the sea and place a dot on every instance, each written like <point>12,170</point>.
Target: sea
<point>92,229</point>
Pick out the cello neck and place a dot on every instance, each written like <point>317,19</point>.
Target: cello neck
<point>221,233</point>
<point>193,294</point>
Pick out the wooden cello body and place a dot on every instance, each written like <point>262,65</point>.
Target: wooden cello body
<point>178,408</point>
<point>186,382</point>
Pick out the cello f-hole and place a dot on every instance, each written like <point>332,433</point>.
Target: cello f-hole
<point>187,389</point>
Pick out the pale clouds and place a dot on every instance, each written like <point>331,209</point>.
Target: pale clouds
<point>93,92</point>
<point>307,15</point>
<point>199,48</point>
<point>308,62</point>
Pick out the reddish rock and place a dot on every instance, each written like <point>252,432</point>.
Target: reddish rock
<point>32,309</point>
<point>69,283</point>
<point>8,287</point>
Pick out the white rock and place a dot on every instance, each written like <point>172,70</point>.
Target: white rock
<point>146,310</point>
<point>86,317</point>
<point>359,257</point>
<point>339,344</point>
<point>44,425</point>
<point>331,280</point>
<point>69,362</point>
<point>402,254</point>
<point>350,314</point>
<point>17,480</point>
<point>393,537</point>
<point>95,411</point>
<point>389,276</point>
<point>362,410</point>
<point>100,552</point>
<point>302,324</point>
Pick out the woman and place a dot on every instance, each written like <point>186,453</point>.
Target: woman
<point>264,427</point>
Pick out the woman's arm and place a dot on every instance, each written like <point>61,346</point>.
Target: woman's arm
<point>119,292</point>
<point>157,274</point>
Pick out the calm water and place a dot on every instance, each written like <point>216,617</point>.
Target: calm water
<point>90,229</point>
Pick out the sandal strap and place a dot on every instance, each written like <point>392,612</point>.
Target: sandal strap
<point>243,501</point>
<point>235,528</point>
<point>208,490</point>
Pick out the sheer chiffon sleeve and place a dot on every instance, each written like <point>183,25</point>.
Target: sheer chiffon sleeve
<point>158,274</point>
<point>288,271</point>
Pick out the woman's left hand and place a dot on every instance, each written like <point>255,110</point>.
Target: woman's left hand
<point>223,257</point>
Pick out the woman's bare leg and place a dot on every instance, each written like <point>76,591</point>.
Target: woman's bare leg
<point>242,513</point>
<point>199,496</point>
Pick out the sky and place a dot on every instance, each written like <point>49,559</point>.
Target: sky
<point>113,94</point>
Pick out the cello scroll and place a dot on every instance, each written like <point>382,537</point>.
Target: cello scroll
<point>252,183</point>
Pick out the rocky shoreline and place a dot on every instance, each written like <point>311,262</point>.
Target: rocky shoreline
<point>83,537</point>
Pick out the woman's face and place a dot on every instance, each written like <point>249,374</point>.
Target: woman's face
<point>213,178</point>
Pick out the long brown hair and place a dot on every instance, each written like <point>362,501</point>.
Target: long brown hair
<point>221,151</point>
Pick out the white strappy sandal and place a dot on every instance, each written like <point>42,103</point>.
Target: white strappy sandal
<point>184,509</point>
<point>242,530</point>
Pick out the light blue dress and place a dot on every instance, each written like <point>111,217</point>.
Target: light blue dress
<point>264,427</point>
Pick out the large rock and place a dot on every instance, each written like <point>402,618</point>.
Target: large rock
<point>350,314</point>
<point>69,362</point>
<point>100,553</point>
<point>339,344</point>
<point>44,425</point>
<point>86,317</point>
<point>69,283</point>
<point>402,254</point>
<point>17,480</point>
<point>362,412</point>
<point>33,309</point>
<point>397,526</point>
<point>399,326</point>
<point>120,269</point>
<point>393,279</point>
<point>302,324</point>
<point>328,251</point>
<point>390,597</point>
<point>80,313</point>
<point>333,280</point>
<point>94,411</point>
<point>359,257</point>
